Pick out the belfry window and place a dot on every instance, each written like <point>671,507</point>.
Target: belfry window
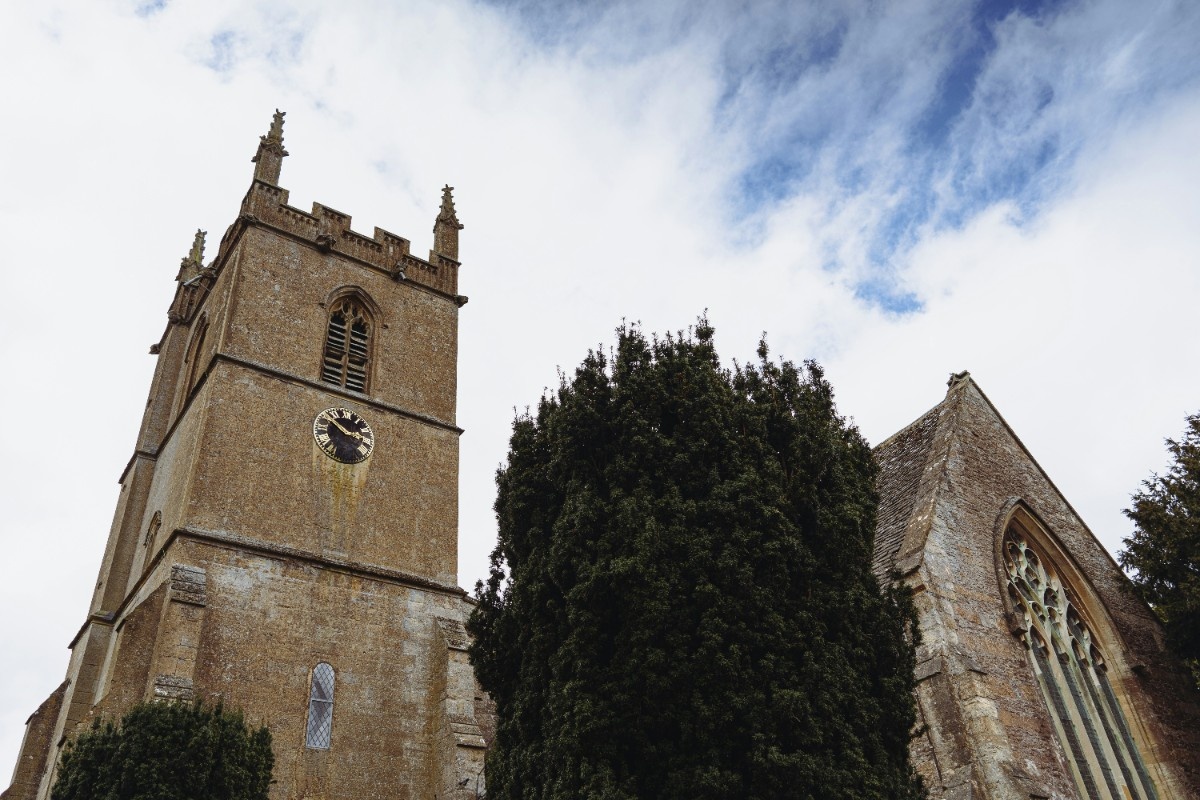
<point>347,347</point>
<point>1087,717</point>
<point>320,708</point>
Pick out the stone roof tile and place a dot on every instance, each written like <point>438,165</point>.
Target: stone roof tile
<point>902,459</point>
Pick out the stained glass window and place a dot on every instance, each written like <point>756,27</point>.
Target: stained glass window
<point>1071,672</point>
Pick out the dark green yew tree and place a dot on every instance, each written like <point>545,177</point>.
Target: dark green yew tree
<point>681,603</point>
<point>167,751</point>
<point>1164,550</point>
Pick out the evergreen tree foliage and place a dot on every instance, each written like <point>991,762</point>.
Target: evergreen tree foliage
<point>680,602</point>
<point>167,751</point>
<point>1164,549</point>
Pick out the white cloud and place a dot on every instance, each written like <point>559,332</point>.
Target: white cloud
<point>1079,326</point>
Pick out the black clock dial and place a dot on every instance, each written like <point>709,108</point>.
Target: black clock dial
<point>343,435</point>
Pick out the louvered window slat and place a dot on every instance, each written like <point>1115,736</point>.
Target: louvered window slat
<point>347,347</point>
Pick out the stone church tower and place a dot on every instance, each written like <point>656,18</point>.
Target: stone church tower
<point>1040,674</point>
<point>285,541</point>
<point>286,534</point>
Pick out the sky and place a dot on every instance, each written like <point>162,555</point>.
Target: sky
<point>899,190</point>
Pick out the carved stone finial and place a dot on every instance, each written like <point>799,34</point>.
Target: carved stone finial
<point>447,226</point>
<point>276,132</point>
<point>191,264</point>
<point>957,378</point>
<point>447,212</point>
<point>197,254</point>
<point>269,158</point>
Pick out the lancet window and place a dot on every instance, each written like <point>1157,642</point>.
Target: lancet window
<point>347,346</point>
<point>148,539</point>
<point>152,528</point>
<point>319,733</point>
<point>1071,672</point>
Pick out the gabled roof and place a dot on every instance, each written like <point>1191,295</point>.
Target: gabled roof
<point>902,459</point>
<point>911,468</point>
<point>913,465</point>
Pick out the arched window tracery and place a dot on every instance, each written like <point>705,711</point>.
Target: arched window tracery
<point>347,345</point>
<point>1072,675</point>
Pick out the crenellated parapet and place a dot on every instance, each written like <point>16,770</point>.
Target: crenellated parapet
<point>329,230</point>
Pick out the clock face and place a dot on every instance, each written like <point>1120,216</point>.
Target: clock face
<point>343,435</point>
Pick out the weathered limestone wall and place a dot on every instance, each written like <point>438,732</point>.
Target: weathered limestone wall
<point>127,672</point>
<point>281,305</point>
<point>35,748</point>
<point>260,474</point>
<point>267,620</point>
<point>989,732</point>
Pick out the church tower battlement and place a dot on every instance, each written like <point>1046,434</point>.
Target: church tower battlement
<point>285,539</point>
<point>266,204</point>
<point>329,230</point>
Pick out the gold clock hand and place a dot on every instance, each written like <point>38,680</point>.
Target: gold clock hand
<point>358,436</point>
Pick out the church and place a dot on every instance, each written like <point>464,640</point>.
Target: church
<point>285,540</point>
<point>1040,673</point>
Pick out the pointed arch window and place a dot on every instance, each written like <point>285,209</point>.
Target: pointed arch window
<point>347,346</point>
<point>152,528</point>
<point>1088,719</point>
<point>149,539</point>
<point>319,732</point>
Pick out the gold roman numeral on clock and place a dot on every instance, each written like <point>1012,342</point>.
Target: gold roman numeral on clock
<point>343,435</point>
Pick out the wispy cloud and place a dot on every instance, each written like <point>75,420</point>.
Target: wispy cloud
<point>902,118</point>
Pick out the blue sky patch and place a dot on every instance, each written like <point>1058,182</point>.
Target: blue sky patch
<point>770,180</point>
<point>222,57</point>
<point>149,8</point>
<point>882,293</point>
<point>778,64</point>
